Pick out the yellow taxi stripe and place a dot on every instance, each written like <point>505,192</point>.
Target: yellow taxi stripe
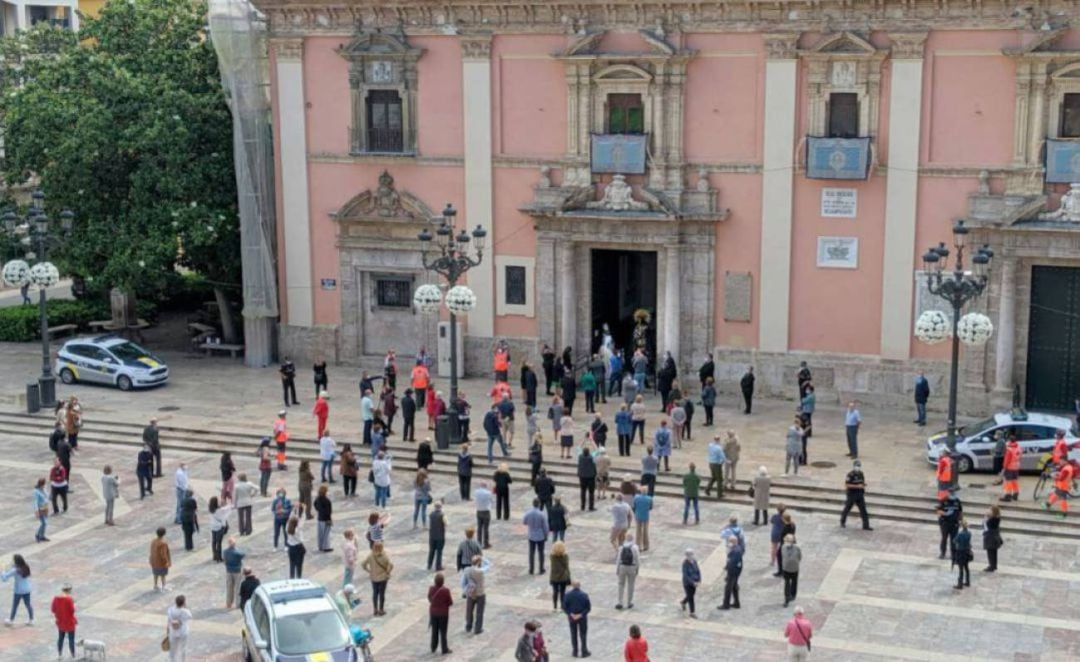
<point>319,657</point>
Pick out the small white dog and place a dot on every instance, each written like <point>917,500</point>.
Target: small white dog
<point>92,649</point>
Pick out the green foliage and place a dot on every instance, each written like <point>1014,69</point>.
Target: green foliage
<point>20,323</point>
<point>130,130</point>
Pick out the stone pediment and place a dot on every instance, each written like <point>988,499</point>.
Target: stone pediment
<point>1043,46</point>
<point>842,43</point>
<point>587,46</point>
<point>376,43</point>
<point>384,204</point>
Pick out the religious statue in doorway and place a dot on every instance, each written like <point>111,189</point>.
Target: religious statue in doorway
<point>642,317</point>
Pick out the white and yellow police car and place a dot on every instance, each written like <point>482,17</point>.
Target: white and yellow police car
<point>109,360</point>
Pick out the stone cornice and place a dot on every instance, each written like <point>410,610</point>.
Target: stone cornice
<point>566,16</point>
<point>476,46</point>
<point>782,45</point>
<point>287,48</point>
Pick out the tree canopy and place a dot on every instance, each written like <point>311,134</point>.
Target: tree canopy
<point>127,125</point>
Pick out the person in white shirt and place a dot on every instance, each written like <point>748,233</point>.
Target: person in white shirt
<point>178,618</point>
<point>182,486</point>
<point>381,468</point>
<point>327,451</point>
<point>485,501</point>
<point>219,525</point>
<point>245,496</point>
<point>627,562</point>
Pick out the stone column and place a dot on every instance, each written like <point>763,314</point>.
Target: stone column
<point>781,76</point>
<point>292,136</point>
<point>568,296</point>
<point>901,194</point>
<point>476,76</point>
<point>1006,328</point>
<point>672,302</point>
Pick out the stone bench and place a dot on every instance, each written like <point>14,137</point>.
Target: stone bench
<point>210,348</point>
<point>62,330</point>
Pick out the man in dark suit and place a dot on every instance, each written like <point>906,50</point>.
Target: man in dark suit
<point>747,386</point>
<point>577,607</point>
<point>922,394</point>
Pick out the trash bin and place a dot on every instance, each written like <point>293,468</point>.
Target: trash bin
<point>33,398</point>
<point>447,431</point>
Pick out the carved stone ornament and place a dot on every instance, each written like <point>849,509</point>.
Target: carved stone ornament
<point>1069,209</point>
<point>618,196</point>
<point>781,46</point>
<point>907,45</point>
<point>288,48</point>
<point>385,202</point>
<point>476,47</point>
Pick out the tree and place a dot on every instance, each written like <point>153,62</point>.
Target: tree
<point>130,129</point>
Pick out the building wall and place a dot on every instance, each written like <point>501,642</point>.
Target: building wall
<point>967,116</point>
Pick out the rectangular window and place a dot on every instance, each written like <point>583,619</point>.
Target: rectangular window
<point>626,114</point>
<point>515,285</point>
<point>1070,116</point>
<point>384,121</point>
<point>843,115</point>
<point>393,293</point>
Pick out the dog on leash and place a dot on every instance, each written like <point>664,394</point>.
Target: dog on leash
<point>92,649</point>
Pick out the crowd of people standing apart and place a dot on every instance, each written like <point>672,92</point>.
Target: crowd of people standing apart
<point>604,376</point>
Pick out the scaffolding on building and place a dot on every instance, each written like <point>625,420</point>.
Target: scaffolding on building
<point>238,33</point>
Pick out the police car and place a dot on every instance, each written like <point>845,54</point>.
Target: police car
<point>109,360</point>
<point>1034,432</point>
<point>295,620</point>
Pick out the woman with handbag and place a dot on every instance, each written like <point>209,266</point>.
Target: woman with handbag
<point>799,631</point>
<point>378,567</point>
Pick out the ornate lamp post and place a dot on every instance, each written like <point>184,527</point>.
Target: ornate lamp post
<point>447,254</point>
<point>35,233</point>
<point>957,288</point>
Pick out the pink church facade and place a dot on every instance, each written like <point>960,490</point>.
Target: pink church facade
<point>762,179</point>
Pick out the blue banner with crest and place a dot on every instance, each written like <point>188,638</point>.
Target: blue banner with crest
<point>619,154</point>
<point>1062,161</point>
<point>837,158</point>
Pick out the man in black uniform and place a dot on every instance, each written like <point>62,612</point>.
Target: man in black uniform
<point>949,511</point>
<point>747,386</point>
<point>288,382</point>
<point>856,496</point>
<point>548,362</point>
<point>151,437</point>
<point>804,379</point>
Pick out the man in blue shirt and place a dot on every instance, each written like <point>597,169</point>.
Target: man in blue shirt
<point>538,531</point>
<point>643,503</point>
<point>716,467</point>
<point>615,380</point>
<point>493,428</point>
<point>852,421</point>
<point>577,607</point>
<point>485,500</point>
<point>377,439</point>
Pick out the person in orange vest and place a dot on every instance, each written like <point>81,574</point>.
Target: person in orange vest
<point>1061,448</point>
<point>420,382</point>
<point>502,362</point>
<point>1012,470</point>
<point>944,476</point>
<point>322,412</point>
<point>1063,481</point>
<point>281,437</point>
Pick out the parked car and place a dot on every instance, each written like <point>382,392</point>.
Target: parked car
<point>109,360</point>
<point>295,620</point>
<point>1034,431</point>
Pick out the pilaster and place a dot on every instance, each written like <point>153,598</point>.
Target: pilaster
<point>1005,348</point>
<point>672,302</point>
<point>476,74</point>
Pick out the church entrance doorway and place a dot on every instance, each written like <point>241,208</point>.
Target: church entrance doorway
<point>622,283</point>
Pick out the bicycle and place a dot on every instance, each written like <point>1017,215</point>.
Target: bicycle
<point>1045,483</point>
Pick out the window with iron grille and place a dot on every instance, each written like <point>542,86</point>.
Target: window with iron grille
<point>384,121</point>
<point>393,293</point>
<point>515,285</point>
<point>843,115</point>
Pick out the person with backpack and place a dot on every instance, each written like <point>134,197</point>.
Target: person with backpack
<point>798,631</point>
<point>691,579</point>
<point>475,596</point>
<point>734,532</point>
<point>626,569</point>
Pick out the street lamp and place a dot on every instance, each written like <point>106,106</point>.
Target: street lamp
<point>448,255</point>
<point>957,288</point>
<point>34,234</point>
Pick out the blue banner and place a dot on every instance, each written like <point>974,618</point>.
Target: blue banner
<point>837,158</point>
<point>619,154</point>
<point>1062,161</point>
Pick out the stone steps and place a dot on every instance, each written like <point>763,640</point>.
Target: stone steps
<point>1019,518</point>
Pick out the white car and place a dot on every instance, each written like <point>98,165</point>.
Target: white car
<point>295,620</point>
<point>1035,432</point>
<point>109,360</point>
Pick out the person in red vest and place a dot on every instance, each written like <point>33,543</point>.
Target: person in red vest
<point>502,362</point>
<point>322,412</point>
<point>1063,480</point>
<point>944,476</point>
<point>281,437</point>
<point>1012,470</point>
<point>1061,448</point>
<point>421,379</point>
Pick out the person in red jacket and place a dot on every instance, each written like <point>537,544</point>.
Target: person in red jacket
<point>1061,448</point>
<point>637,648</point>
<point>281,437</point>
<point>1063,481</point>
<point>63,609</point>
<point>439,612</point>
<point>944,476</point>
<point>322,412</point>
<point>1012,470</point>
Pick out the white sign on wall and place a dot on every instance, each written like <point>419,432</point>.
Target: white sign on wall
<point>838,252</point>
<point>839,202</point>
